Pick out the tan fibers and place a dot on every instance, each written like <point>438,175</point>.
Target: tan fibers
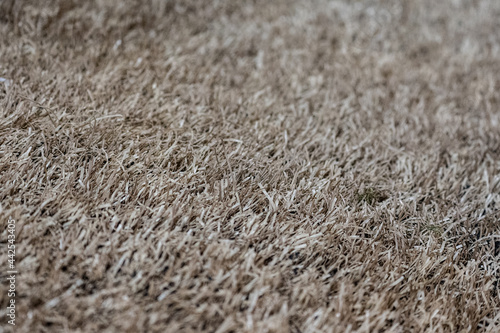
<point>251,166</point>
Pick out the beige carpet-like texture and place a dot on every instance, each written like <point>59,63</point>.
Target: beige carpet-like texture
<point>251,166</point>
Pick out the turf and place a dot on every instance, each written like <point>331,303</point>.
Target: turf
<point>251,166</point>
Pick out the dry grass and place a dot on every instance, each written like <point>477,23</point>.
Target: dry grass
<point>252,166</point>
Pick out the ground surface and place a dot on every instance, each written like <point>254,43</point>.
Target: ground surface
<point>251,166</point>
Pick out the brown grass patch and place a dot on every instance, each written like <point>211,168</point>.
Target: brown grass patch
<point>252,166</point>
